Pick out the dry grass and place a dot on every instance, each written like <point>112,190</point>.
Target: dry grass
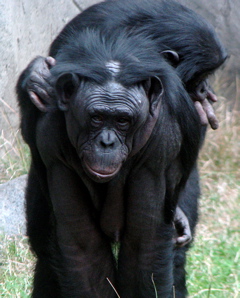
<point>220,174</point>
<point>14,154</point>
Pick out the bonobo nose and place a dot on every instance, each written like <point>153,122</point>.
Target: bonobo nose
<point>108,139</point>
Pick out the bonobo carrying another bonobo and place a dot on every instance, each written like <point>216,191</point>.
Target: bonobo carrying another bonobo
<point>114,136</point>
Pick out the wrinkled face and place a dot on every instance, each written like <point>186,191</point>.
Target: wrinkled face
<point>104,123</point>
<point>111,114</point>
<point>101,122</point>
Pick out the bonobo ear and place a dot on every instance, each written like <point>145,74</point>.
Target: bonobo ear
<point>154,90</point>
<point>66,86</point>
<point>171,56</point>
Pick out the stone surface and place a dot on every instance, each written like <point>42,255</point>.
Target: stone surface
<point>12,210</point>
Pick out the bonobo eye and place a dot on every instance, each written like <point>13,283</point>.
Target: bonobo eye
<point>97,120</point>
<point>123,123</point>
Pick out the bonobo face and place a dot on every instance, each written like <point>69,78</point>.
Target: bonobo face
<point>111,114</point>
<point>102,123</point>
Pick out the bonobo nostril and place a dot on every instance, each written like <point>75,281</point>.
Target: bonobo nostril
<point>106,144</point>
<point>107,139</point>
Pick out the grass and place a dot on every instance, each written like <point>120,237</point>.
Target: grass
<point>16,264</point>
<point>213,261</point>
<point>15,154</point>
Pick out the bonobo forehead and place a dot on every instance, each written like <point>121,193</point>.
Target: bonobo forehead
<point>114,94</point>
<point>113,67</point>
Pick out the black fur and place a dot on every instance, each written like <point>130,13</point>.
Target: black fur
<point>134,33</point>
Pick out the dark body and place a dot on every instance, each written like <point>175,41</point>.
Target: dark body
<point>74,214</point>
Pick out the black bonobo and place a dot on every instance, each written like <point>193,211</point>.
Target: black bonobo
<point>114,137</point>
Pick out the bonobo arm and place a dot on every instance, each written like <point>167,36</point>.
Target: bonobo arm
<point>145,257</point>
<point>181,223</point>
<point>85,259</point>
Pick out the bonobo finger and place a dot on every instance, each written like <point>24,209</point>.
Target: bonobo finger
<point>40,86</point>
<point>50,61</point>
<point>212,119</point>
<point>41,66</point>
<point>201,112</point>
<point>37,101</point>
<point>38,91</point>
<point>183,240</point>
<point>211,96</point>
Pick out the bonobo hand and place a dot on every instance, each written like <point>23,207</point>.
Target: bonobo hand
<point>203,98</point>
<point>38,83</point>
<point>182,227</point>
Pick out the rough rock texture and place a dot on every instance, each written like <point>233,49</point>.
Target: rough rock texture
<point>12,211</point>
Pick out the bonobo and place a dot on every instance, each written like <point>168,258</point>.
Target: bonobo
<point>40,91</point>
<point>108,153</point>
<point>114,138</point>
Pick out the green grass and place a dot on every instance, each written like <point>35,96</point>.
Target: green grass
<point>16,264</point>
<point>213,262</point>
<point>213,268</point>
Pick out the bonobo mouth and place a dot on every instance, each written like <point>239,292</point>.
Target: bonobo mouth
<point>102,175</point>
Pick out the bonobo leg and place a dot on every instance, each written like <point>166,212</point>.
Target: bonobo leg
<point>39,231</point>
<point>188,202</point>
<point>86,259</point>
<point>146,255</point>
<point>180,289</point>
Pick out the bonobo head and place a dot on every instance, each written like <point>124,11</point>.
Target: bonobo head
<point>110,89</point>
<point>107,123</point>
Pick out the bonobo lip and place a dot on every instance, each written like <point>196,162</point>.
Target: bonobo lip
<point>100,175</point>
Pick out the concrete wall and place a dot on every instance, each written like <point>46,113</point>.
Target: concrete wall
<point>27,28</point>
